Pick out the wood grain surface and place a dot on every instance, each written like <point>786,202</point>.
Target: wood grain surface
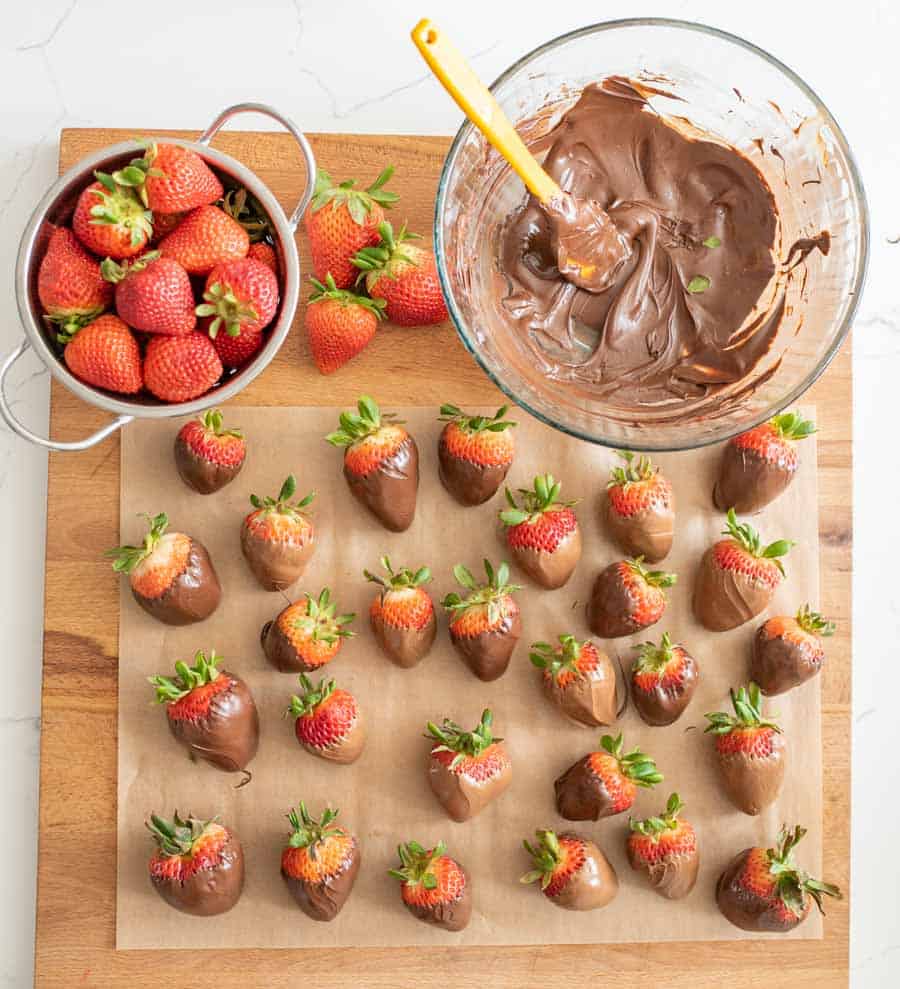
<point>76,871</point>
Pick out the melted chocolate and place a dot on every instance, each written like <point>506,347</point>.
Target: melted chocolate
<point>593,886</point>
<point>453,916</point>
<point>673,875</point>
<point>747,482</point>
<point>470,484</point>
<point>460,795</point>
<point>648,533</point>
<point>581,795</point>
<point>389,491</point>
<point>201,474</point>
<point>665,702</point>
<point>323,900</point>
<point>276,565</point>
<point>550,569</point>
<point>749,911</point>
<point>487,654</point>
<point>588,698</point>
<point>779,664</point>
<point>192,596</point>
<point>590,250</point>
<point>724,599</point>
<point>754,782</point>
<point>612,608</point>
<point>404,647</point>
<point>208,891</point>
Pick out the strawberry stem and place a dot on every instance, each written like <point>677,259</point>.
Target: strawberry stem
<point>398,579</point>
<point>417,864</point>
<point>747,704</point>
<point>178,836</point>
<point>632,472</point>
<point>490,593</point>
<point>543,497</point>
<point>812,622</point>
<point>557,660</point>
<point>310,697</point>
<point>476,424</point>
<point>452,738</point>
<point>545,855</point>
<point>188,678</point>
<point>126,558</point>
<point>282,505</point>
<point>306,830</point>
<point>635,764</point>
<point>653,827</point>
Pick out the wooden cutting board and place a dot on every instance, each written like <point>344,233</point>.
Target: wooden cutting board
<point>77,869</point>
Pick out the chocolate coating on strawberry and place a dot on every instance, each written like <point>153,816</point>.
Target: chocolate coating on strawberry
<point>434,887</point>
<point>278,538</point>
<point>751,752</point>
<point>627,597</point>
<point>763,889</point>
<point>328,721</point>
<point>665,849</point>
<point>788,651</point>
<point>640,508</point>
<point>542,533</point>
<point>402,615</point>
<point>171,575</point>
<point>579,679</point>
<point>573,872</point>
<point>758,465</point>
<point>474,453</point>
<point>207,455</point>
<point>663,680</point>
<point>381,464</point>
<point>306,635</point>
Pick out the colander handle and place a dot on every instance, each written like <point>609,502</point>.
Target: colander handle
<point>288,125</point>
<point>26,434</point>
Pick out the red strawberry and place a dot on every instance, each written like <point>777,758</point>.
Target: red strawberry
<point>402,615</point>
<point>640,508</point>
<point>307,634</point>
<point>153,294</point>
<point>211,713</point>
<point>263,252</point>
<point>278,538</point>
<point>164,224</point>
<point>763,889</point>
<point>381,463</point>
<point>543,534</point>
<point>627,597</point>
<point>579,679</point>
<point>320,863</point>
<point>663,681</point>
<point>665,848</point>
<point>404,276</point>
<point>206,237</point>
<point>467,769</point>
<point>170,178</point>
<point>434,887</point>
<point>759,464</point>
<point>207,455</point>
<point>240,296</point>
<point>70,286</point>
<point>105,354</point>
<point>235,351</point>
<point>339,324</point>
<point>573,872</point>
<point>485,625</point>
<point>341,220</point>
<point>737,577</point>
<point>198,866</point>
<point>751,752</point>
<point>604,783</point>
<point>110,220</point>
<point>329,722</point>
<point>789,651</point>
<point>177,369</point>
<point>474,453</point>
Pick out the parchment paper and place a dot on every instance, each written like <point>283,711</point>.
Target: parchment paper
<point>384,797</point>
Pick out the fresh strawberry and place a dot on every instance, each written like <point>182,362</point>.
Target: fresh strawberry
<point>579,679</point>
<point>404,276</point>
<point>163,225</point>
<point>70,286</point>
<point>263,252</point>
<point>320,863</point>
<point>153,294</point>
<point>750,750</point>
<point>788,651</point>
<point>342,220</point>
<point>640,508</point>
<point>198,866</point>
<point>240,297</point>
<point>236,351</point>
<point>206,237</point>
<point>434,887</point>
<point>328,721</point>
<point>339,324</point>
<point>474,453</point>
<point>627,597</point>
<point>663,680</point>
<point>604,783</point>
<point>106,354</point>
<point>467,769</point>
<point>665,848</point>
<point>485,624</point>
<point>170,178</point>
<point>211,713</point>
<point>763,889</point>
<point>402,615</point>
<point>110,220</point>
<point>177,369</point>
<point>209,456</point>
<point>574,874</point>
<point>306,635</point>
<point>543,533</point>
<point>381,463</point>
<point>737,576</point>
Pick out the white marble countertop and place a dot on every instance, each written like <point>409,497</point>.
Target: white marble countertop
<point>344,66</point>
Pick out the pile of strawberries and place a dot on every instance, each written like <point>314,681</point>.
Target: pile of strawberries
<point>163,281</point>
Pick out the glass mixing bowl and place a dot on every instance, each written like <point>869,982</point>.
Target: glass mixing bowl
<point>730,89</point>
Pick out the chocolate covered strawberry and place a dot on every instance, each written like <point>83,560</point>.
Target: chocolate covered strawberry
<point>105,354</point>
<point>579,678</point>
<point>278,538</point>
<point>210,712</point>
<point>737,576</point>
<point>542,532</point>
<point>181,368</point>
<point>763,889</point>
<point>485,623</point>
<point>574,874</point>
<point>434,888</point>
<point>209,456</point>
<point>153,294</point>
<point>171,575</point>
<point>467,769</point>
<point>474,453</point>
<point>206,237</point>
<point>198,866</point>
<point>640,508</point>
<point>320,863</point>
<point>789,651</point>
<point>759,464</point>
<point>604,783</point>
<point>381,463</point>
<point>339,324</point>
<point>71,288</point>
<point>306,635</point>
<point>170,178</point>
<point>665,848</point>
<point>663,680</point>
<point>627,597</point>
<point>110,220</point>
<point>328,721</point>
<point>751,752</point>
<point>402,615</point>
